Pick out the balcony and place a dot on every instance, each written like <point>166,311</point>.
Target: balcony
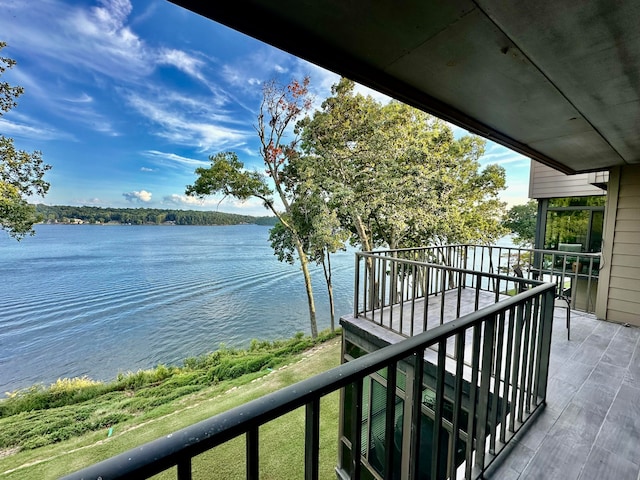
<point>433,343</point>
<point>590,427</point>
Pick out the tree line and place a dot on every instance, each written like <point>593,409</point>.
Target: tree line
<point>144,216</point>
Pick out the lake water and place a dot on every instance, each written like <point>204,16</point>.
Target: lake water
<point>98,300</point>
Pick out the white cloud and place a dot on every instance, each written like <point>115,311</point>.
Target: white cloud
<point>502,156</point>
<point>263,64</point>
<point>141,196</point>
<point>82,98</point>
<point>177,124</point>
<point>105,42</point>
<point>252,206</point>
<point>172,159</point>
<point>90,201</point>
<point>186,200</point>
<point>147,169</point>
<point>182,61</point>
<point>30,129</point>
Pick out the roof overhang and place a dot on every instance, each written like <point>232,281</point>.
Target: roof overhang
<point>556,80</point>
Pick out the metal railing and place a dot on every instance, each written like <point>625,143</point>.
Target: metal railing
<point>392,288</point>
<point>404,276</point>
<point>509,358</point>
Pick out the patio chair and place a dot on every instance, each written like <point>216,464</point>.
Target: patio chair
<point>560,294</point>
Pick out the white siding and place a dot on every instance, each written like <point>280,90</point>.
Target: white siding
<point>622,270</point>
<point>545,182</point>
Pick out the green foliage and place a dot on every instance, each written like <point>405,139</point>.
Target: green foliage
<point>145,216</point>
<point>21,172</point>
<point>521,221</point>
<point>40,415</point>
<point>396,176</point>
<point>8,93</point>
<point>227,175</point>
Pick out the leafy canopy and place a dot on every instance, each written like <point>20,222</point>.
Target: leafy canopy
<point>521,221</point>
<point>21,172</point>
<point>397,176</point>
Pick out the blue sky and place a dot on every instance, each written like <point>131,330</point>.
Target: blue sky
<point>125,98</point>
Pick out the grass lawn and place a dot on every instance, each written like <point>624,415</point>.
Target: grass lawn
<point>281,441</point>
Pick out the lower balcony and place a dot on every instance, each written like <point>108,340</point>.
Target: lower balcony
<point>448,373</point>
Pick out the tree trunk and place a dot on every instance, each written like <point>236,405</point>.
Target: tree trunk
<point>304,264</point>
<point>362,233</point>
<point>374,301</point>
<point>326,266</point>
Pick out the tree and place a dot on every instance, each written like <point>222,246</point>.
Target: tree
<point>21,172</point>
<point>320,232</point>
<point>397,176</point>
<point>521,221</point>
<point>279,110</point>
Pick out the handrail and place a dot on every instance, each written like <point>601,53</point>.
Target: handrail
<point>458,245</point>
<point>574,273</point>
<point>178,448</point>
<point>389,290</point>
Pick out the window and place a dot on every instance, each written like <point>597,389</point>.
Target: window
<point>572,224</point>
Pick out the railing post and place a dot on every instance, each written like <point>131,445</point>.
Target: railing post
<point>438,410</point>
<point>473,395</point>
<point>485,380</point>
<point>457,397</point>
<point>356,428</point>
<point>389,433</point>
<point>416,415</point>
<point>312,439</point>
<point>184,469</point>
<point>253,454</point>
<point>544,345</point>
<point>356,293</point>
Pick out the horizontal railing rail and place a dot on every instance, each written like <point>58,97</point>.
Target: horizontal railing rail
<point>574,273</point>
<point>392,288</point>
<point>509,357</point>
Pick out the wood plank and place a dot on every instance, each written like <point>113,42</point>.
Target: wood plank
<point>625,283</point>
<point>628,296</point>
<point>623,306</point>
<point>627,226</point>
<point>630,193</point>
<point>626,243</point>
<point>623,317</point>
<point>628,214</point>
<point>626,261</point>
<point>625,272</point>
<point>630,177</point>
<point>558,190</point>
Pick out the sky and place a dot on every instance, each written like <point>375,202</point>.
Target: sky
<point>126,98</point>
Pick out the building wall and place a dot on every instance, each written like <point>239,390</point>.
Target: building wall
<point>619,287</point>
<point>545,182</point>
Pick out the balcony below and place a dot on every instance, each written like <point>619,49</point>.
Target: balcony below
<point>478,354</point>
<point>590,428</point>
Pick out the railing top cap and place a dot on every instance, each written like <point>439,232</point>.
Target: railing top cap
<point>495,247</point>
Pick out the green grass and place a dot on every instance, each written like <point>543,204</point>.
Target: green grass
<point>54,441</point>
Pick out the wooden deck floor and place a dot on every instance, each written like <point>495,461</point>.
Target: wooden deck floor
<point>409,318</point>
<point>590,427</point>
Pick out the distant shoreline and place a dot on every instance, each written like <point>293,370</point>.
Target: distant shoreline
<point>70,215</point>
<point>117,224</point>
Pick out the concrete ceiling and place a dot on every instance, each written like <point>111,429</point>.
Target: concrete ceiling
<point>556,80</point>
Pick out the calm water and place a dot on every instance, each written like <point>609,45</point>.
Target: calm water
<point>97,300</point>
